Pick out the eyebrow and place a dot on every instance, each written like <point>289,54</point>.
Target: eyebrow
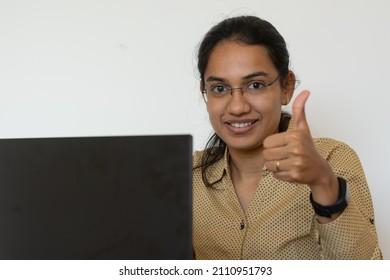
<point>247,77</point>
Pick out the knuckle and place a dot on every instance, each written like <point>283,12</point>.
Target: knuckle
<point>295,150</point>
<point>296,176</point>
<point>295,135</point>
<point>299,164</point>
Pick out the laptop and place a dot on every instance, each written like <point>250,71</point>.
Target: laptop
<point>122,197</point>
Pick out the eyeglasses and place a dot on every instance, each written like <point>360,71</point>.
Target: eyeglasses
<point>252,89</point>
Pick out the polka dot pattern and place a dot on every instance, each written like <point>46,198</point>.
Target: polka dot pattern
<point>280,222</point>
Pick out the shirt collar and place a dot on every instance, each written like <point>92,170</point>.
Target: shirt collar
<point>217,171</point>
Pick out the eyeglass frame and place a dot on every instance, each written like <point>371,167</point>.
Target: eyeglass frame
<point>243,90</point>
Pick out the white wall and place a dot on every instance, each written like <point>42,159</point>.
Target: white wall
<point>116,67</point>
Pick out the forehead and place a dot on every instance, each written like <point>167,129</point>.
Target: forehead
<point>232,60</point>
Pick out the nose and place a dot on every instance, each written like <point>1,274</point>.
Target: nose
<point>238,104</point>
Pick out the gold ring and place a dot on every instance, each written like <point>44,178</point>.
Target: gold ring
<point>277,166</point>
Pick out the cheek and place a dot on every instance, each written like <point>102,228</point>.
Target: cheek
<point>214,109</point>
<point>268,106</point>
<point>215,113</point>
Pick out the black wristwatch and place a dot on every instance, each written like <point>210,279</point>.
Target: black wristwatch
<point>339,206</point>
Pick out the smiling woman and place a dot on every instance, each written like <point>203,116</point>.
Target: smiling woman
<point>254,111</point>
<point>263,188</point>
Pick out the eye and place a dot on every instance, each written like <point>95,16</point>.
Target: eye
<point>256,86</point>
<point>219,89</point>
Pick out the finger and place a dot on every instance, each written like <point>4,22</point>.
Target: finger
<point>271,166</point>
<point>275,140</point>
<point>299,115</point>
<point>281,169</point>
<point>275,166</point>
<point>277,153</point>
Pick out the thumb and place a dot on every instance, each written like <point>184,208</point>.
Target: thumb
<point>298,109</point>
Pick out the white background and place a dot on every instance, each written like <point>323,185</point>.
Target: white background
<point>116,67</point>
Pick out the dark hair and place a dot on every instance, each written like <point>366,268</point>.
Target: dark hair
<point>248,30</point>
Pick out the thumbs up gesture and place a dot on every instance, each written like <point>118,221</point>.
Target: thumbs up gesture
<point>299,116</point>
<point>293,157</point>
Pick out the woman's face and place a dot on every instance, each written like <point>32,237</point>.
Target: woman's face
<point>242,120</point>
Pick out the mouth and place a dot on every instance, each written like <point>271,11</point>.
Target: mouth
<point>242,124</point>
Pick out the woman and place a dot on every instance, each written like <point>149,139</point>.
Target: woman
<point>263,188</point>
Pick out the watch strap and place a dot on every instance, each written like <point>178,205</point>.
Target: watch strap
<point>338,206</point>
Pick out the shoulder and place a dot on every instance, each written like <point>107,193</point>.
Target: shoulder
<point>328,146</point>
<point>342,158</point>
<point>210,164</point>
<point>197,158</point>
<point>210,153</point>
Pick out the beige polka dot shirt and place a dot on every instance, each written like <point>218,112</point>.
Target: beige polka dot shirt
<point>280,222</point>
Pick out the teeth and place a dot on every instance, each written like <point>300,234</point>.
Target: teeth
<point>240,125</point>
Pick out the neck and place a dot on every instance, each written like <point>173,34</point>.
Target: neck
<point>246,163</point>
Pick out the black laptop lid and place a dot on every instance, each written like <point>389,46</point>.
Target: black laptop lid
<point>96,198</point>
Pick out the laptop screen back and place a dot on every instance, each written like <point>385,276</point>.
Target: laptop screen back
<point>96,198</point>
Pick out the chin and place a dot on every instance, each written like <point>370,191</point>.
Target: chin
<point>245,145</point>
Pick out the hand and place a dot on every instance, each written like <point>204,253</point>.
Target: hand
<point>293,157</point>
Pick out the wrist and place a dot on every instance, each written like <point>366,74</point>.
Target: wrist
<point>327,210</point>
<point>326,192</point>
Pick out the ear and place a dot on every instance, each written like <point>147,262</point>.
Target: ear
<point>201,86</point>
<point>288,88</point>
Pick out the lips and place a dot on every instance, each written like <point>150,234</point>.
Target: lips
<point>241,124</point>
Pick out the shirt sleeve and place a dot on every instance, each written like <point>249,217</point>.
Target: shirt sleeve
<point>353,234</point>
